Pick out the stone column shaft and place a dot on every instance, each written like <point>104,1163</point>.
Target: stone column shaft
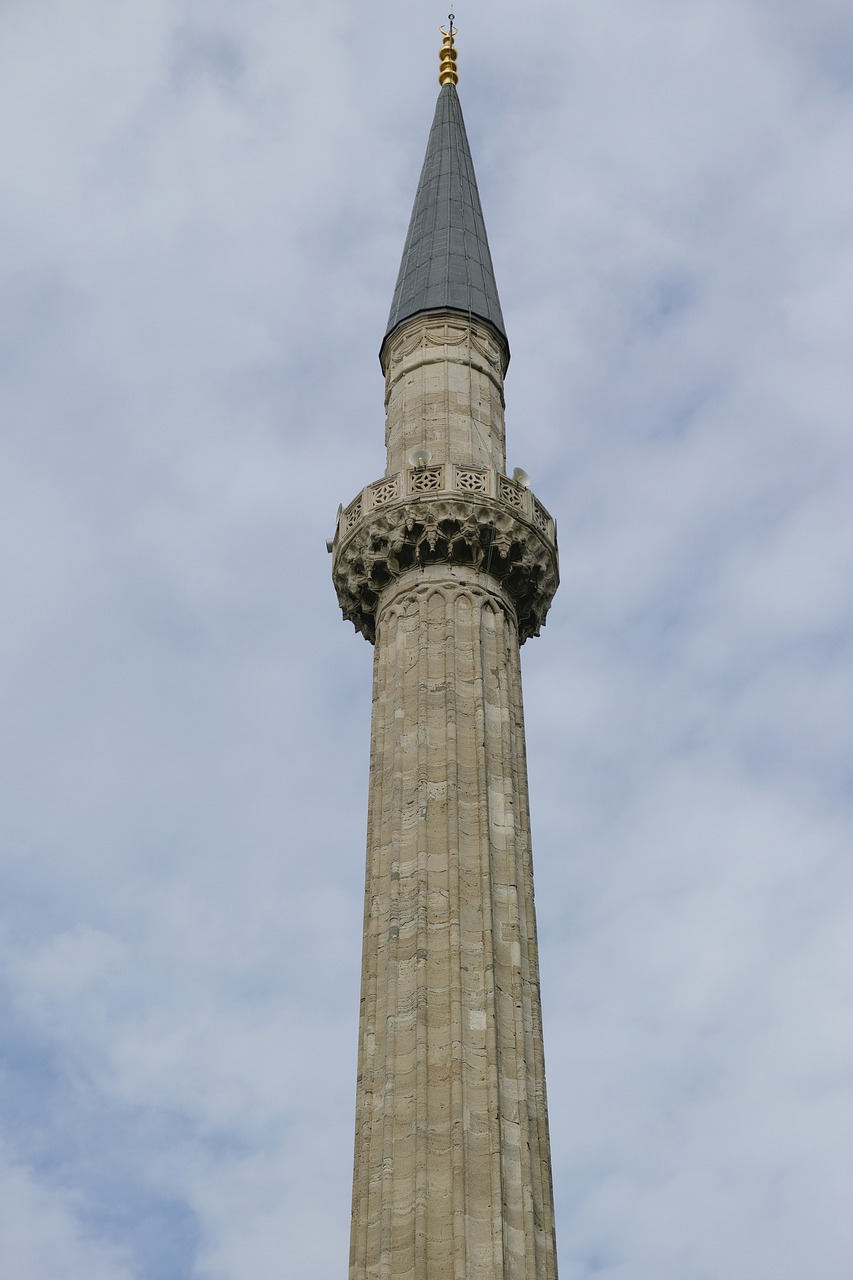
<point>452,1169</point>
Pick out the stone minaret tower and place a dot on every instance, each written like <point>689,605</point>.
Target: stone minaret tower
<point>447,565</point>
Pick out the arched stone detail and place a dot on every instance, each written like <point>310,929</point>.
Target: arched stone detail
<point>461,586</point>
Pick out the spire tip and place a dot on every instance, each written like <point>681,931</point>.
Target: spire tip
<point>447,73</point>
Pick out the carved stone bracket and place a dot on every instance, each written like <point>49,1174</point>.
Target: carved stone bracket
<point>508,536</point>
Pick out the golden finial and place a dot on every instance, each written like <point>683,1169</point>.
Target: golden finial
<point>447,73</point>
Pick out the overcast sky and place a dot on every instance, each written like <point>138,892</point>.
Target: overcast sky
<point>202,211</point>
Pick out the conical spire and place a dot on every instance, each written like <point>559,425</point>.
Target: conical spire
<point>446,261</point>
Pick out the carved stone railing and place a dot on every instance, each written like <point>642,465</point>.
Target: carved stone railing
<point>449,514</point>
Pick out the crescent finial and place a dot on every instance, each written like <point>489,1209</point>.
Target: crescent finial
<point>447,73</point>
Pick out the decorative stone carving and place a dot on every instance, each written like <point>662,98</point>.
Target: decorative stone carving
<point>471,480</point>
<point>495,537</point>
<point>540,517</point>
<point>509,491</point>
<point>426,479</point>
<point>385,491</point>
<point>352,515</point>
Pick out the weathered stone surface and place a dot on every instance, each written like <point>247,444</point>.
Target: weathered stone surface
<point>452,1169</point>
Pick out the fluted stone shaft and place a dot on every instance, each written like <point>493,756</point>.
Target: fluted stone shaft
<point>452,1173</point>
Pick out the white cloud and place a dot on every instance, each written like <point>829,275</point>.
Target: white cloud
<point>201,214</point>
<point>41,1238</point>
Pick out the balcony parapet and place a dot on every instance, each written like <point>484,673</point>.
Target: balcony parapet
<point>446,513</point>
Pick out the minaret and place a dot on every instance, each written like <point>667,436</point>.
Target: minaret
<point>447,565</point>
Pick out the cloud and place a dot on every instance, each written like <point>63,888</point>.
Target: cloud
<point>42,1238</point>
<point>201,217</point>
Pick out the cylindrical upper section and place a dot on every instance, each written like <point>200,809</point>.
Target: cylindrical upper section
<point>444,392</point>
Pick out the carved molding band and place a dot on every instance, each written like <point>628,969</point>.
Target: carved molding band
<point>432,581</point>
<point>500,531</point>
<point>439,337</point>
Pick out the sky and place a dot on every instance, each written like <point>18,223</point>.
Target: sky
<point>202,211</point>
